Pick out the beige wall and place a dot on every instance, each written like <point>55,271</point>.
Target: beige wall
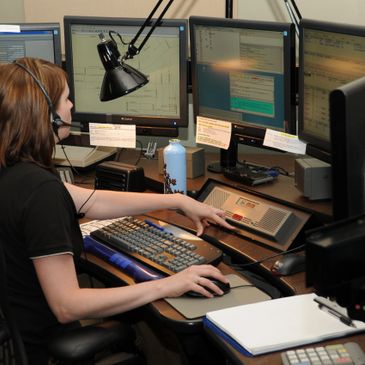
<point>349,11</point>
<point>11,11</point>
<point>46,10</point>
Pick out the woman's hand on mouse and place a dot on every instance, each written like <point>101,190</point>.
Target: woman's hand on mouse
<point>194,278</point>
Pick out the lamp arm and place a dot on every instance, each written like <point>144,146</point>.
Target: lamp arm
<point>229,8</point>
<point>299,16</point>
<point>294,15</point>
<point>132,49</point>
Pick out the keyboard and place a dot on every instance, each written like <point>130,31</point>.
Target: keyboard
<point>164,248</point>
<point>349,353</point>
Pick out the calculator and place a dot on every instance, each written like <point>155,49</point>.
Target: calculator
<point>349,353</point>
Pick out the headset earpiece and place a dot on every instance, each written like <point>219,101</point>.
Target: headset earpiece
<point>56,120</point>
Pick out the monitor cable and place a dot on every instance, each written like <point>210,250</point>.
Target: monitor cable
<point>249,264</point>
<point>140,152</point>
<point>275,169</point>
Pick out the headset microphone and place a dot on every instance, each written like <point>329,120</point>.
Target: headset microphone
<point>59,122</point>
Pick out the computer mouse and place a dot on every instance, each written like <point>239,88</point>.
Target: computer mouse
<point>289,264</point>
<point>225,287</point>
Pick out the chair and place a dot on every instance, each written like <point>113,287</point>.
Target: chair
<point>79,346</point>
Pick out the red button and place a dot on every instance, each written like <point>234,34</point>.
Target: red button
<point>237,217</point>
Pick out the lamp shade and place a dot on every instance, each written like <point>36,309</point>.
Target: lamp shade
<point>121,80</point>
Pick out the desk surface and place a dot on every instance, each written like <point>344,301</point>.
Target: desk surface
<point>173,319</point>
<point>284,191</point>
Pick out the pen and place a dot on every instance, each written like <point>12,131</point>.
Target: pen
<point>342,317</point>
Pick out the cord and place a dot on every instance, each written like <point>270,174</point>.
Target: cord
<point>140,152</point>
<point>82,215</point>
<point>68,160</point>
<point>280,170</point>
<point>120,37</point>
<point>242,266</point>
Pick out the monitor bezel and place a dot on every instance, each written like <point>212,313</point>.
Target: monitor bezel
<point>145,122</point>
<point>318,147</point>
<point>249,134</point>
<point>46,26</point>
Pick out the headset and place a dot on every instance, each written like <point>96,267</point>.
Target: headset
<point>56,120</point>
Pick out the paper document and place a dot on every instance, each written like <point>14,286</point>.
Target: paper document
<point>279,324</point>
<point>284,141</point>
<point>213,132</point>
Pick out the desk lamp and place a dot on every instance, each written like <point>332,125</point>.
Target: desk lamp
<point>120,78</point>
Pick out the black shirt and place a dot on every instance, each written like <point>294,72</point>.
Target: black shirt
<point>37,218</point>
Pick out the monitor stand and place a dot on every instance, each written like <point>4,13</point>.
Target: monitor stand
<point>244,173</point>
<point>228,159</point>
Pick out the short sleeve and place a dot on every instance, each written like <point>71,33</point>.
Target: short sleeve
<point>49,220</point>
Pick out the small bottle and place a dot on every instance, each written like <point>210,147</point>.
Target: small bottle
<point>174,168</point>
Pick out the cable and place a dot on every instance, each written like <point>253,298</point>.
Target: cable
<point>82,215</point>
<point>140,152</point>
<point>119,36</point>
<point>63,147</point>
<point>280,170</point>
<point>241,266</point>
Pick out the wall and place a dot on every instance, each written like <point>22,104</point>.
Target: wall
<point>349,11</point>
<point>45,10</point>
<point>12,11</point>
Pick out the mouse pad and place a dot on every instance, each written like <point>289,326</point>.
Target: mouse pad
<point>240,294</point>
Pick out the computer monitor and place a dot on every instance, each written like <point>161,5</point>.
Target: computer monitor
<point>243,72</point>
<point>158,108</point>
<point>335,263</point>
<point>347,131</point>
<point>39,40</point>
<point>335,254</point>
<point>331,55</point>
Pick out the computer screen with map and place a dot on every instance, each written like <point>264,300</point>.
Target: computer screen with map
<point>331,55</point>
<point>157,108</point>
<point>40,40</point>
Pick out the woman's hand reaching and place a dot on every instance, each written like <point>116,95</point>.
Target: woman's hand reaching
<point>202,214</point>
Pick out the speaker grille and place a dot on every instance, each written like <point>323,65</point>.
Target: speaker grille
<point>217,198</point>
<point>272,220</point>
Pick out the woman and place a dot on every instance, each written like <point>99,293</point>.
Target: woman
<point>38,216</point>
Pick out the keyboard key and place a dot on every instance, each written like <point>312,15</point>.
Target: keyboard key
<point>340,354</point>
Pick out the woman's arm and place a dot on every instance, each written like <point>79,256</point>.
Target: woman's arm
<point>105,204</point>
<point>69,302</point>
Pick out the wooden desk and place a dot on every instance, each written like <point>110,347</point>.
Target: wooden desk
<point>282,190</point>
<point>169,317</point>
